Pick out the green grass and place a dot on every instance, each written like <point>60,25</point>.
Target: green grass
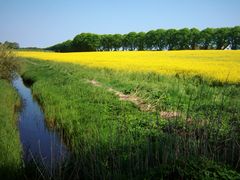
<point>112,138</point>
<point>10,148</point>
<point>194,97</point>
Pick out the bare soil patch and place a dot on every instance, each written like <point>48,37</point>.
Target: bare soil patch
<point>139,102</point>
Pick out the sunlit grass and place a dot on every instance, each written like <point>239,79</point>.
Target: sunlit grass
<point>10,148</point>
<point>97,125</point>
<point>214,64</point>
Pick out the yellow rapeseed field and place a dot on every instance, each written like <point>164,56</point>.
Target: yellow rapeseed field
<point>214,64</point>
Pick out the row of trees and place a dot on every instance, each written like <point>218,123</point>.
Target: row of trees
<point>160,39</point>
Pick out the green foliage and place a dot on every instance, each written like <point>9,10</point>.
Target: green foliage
<point>8,63</point>
<point>107,42</point>
<point>193,168</point>
<point>117,41</point>
<point>194,38</point>
<point>65,46</point>
<point>207,38</point>
<point>235,37</point>
<point>206,169</point>
<point>171,39</point>
<point>183,38</point>
<point>11,45</point>
<point>86,42</point>
<point>221,38</point>
<point>151,39</point>
<point>131,41</point>
<point>160,39</point>
<point>140,43</point>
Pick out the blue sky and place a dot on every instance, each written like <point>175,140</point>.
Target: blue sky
<point>46,22</point>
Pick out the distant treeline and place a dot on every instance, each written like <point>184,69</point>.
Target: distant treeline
<point>11,45</point>
<point>15,45</point>
<point>160,39</point>
<point>30,49</point>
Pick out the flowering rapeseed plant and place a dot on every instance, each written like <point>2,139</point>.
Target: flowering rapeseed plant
<point>214,64</point>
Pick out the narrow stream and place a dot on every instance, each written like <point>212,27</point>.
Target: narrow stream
<point>38,141</point>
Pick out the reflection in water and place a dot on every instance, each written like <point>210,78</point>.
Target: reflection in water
<point>37,140</point>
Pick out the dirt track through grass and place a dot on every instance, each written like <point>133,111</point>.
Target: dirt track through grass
<point>140,103</point>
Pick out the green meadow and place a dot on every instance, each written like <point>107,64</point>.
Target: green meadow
<point>190,131</point>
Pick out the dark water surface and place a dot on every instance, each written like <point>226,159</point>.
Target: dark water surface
<point>38,141</point>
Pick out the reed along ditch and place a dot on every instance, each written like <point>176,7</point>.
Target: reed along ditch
<point>39,142</point>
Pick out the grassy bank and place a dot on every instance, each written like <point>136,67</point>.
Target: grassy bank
<point>114,138</point>
<point>10,148</point>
